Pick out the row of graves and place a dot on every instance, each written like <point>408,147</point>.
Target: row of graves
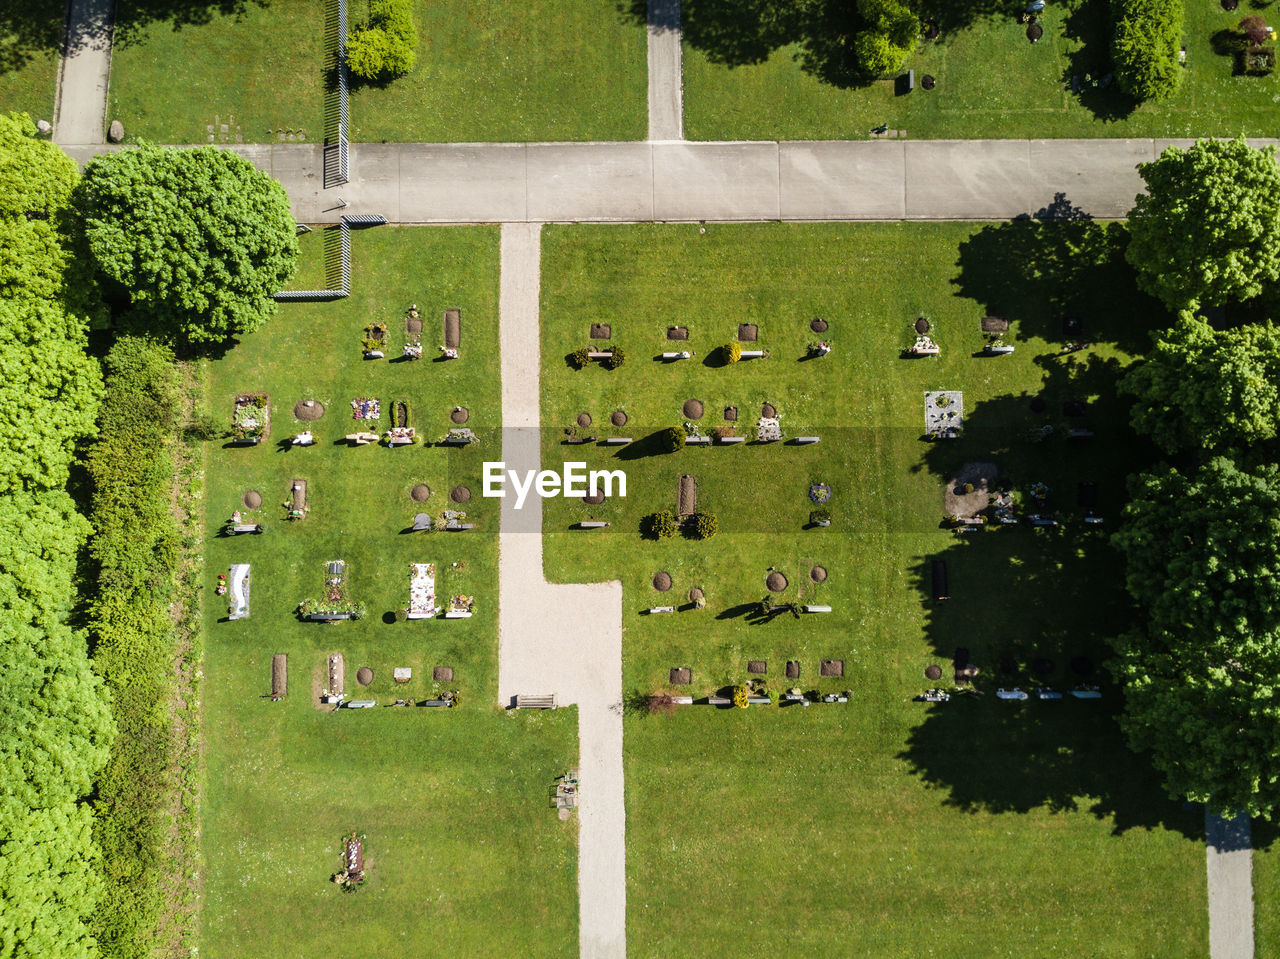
<point>376,341</point>
<point>743,346</point>
<point>693,431</point>
<point>754,692</point>
<point>334,601</point>
<point>1039,671</point>
<point>251,419</point>
<point>977,498</point>
<point>297,505</point>
<point>330,689</point>
<point>996,339</point>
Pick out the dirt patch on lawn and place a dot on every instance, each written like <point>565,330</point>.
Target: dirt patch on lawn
<point>793,669</point>
<point>442,674</point>
<point>601,331</point>
<point>681,677</point>
<point>757,666</point>
<point>748,333</point>
<point>818,574</point>
<point>460,415</point>
<point>831,668</point>
<point>818,325</point>
<point>308,413</point>
<point>452,329</point>
<point>618,418</point>
<point>420,493</point>
<point>730,414</point>
<point>956,502</point>
<point>933,671</point>
<point>595,497</point>
<point>687,496</point>
<point>364,675</point>
<point>252,499</point>
<point>775,582</point>
<point>677,332</point>
<point>413,325</point>
<point>662,582</point>
<point>693,409</point>
<point>584,419</point>
<point>767,411</point>
<point>460,494</point>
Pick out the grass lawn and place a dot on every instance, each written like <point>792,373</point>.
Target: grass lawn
<point>258,70</point>
<point>991,83</point>
<point>30,41</point>
<point>1266,889</point>
<point>887,825</point>
<point>502,71</point>
<point>454,802</point>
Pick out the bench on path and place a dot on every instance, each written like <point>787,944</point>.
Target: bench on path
<point>536,702</point>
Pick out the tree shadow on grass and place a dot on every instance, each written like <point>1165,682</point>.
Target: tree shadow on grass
<point>134,17</point>
<point>1058,262</point>
<point>1089,72</point>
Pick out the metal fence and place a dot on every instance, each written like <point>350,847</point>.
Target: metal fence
<point>337,148</point>
<point>337,260</point>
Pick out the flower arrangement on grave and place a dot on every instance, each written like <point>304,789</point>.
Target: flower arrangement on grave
<point>461,603</point>
<point>366,408</point>
<point>375,336</point>
<point>250,415</point>
<point>740,696</point>
<point>819,348</point>
<point>413,350</point>
<point>1039,492</point>
<point>351,876</point>
<point>819,492</point>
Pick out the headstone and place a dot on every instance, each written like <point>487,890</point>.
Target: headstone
<point>115,133</point>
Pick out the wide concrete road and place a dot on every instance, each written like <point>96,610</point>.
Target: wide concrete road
<point>621,182</point>
<point>557,639</point>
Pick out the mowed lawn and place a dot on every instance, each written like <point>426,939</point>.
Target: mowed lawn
<point>259,70</point>
<point>462,846</point>
<point>485,72</point>
<point>30,41</point>
<point>991,83</point>
<point>503,71</point>
<point>978,827</point>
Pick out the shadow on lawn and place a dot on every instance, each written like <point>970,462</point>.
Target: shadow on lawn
<point>1037,269</point>
<point>743,32</point>
<point>1036,607</point>
<point>1089,64</point>
<point>135,16</point>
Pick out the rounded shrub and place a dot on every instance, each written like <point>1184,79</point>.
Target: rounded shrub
<point>732,352</point>
<point>740,694</point>
<point>615,358</point>
<point>659,525</point>
<point>580,357</point>
<point>705,525</point>
<point>672,439</point>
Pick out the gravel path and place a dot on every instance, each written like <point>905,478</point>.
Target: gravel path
<point>81,111</point>
<point>666,66</point>
<point>565,640</point>
<point>1230,870</point>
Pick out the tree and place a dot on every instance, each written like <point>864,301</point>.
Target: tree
<point>36,177</point>
<point>1199,388</point>
<point>1144,46</point>
<point>1203,561</point>
<point>385,47</point>
<point>705,525</point>
<point>1207,231</point>
<point>49,391</point>
<point>615,358</point>
<point>197,240</point>
<point>48,883</point>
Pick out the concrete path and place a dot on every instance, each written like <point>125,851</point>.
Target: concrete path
<point>1230,864</point>
<point>749,181</point>
<point>565,640</point>
<point>666,71</point>
<point>80,114</point>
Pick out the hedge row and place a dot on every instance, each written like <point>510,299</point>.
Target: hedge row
<point>137,548</point>
<point>55,726</point>
<point>1144,46</point>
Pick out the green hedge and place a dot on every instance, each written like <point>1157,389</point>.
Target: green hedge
<point>1144,46</point>
<point>137,549</point>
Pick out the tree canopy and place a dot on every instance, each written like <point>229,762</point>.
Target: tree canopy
<point>1203,389</point>
<point>197,240</point>
<point>1202,672</point>
<point>1207,231</point>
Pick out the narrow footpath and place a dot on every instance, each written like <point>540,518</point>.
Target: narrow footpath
<point>1230,873</point>
<point>565,640</point>
<point>666,69</point>
<point>80,113</point>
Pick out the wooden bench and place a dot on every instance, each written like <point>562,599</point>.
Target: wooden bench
<point>536,702</point>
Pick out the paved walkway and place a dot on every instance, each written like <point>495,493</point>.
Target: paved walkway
<point>748,181</point>
<point>666,71</point>
<point>1230,864</point>
<point>80,115</point>
<point>565,640</point>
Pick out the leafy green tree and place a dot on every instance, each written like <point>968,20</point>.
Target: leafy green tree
<point>48,883</point>
<point>1144,46</point>
<point>386,46</point>
<point>36,177</point>
<point>1207,231</point>
<point>49,390</point>
<point>1200,388</point>
<point>1203,561</point>
<point>196,240</point>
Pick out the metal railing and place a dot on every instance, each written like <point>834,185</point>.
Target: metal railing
<point>337,260</point>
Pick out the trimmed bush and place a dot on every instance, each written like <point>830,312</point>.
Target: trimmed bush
<point>705,525</point>
<point>615,358</point>
<point>385,47</point>
<point>672,439</point>
<point>660,525</point>
<point>579,358</point>
<point>732,352</point>
<point>1148,34</point>
<point>740,694</point>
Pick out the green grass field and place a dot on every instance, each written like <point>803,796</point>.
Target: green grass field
<point>991,83</point>
<point>454,802</point>
<point>892,827</point>
<point>503,71</point>
<point>488,71</point>
<point>30,41</point>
